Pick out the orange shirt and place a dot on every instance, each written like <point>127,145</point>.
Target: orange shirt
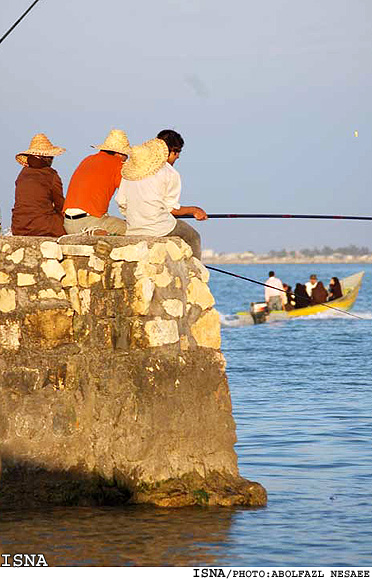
<point>93,183</point>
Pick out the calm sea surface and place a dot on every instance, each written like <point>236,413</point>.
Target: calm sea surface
<point>301,393</point>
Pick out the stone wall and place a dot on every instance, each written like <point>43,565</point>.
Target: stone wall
<point>112,384</point>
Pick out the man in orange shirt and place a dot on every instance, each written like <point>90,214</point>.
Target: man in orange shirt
<point>92,186</point>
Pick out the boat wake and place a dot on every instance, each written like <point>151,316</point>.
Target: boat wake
<point>325,315</point>
<point>234,321</point>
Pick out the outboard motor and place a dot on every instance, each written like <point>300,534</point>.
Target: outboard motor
<point>259,312</point>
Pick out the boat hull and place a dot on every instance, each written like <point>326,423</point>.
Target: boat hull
<point>350,289</point>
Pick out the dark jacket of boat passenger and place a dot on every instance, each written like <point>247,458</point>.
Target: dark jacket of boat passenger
<point>334,289</point>
<point>301,297</point>
<point>319,294</point>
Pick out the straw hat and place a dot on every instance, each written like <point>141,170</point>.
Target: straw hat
<point>40,145</point>
<point>116,141</point>
<point>145,160</point>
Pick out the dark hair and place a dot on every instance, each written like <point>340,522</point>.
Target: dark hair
<point>271,273</point>
<point>172,139</point>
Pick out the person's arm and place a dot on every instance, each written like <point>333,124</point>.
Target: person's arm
<point>57,193</point>
<point>197,212</point>
<point>121,198</point>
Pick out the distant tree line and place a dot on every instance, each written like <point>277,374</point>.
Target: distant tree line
<point>350,250</point>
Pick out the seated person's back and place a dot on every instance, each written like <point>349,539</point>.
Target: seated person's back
<point>335,290</point>
<point>301,297</point>
<point>39,197</point>
<point>319,294</point>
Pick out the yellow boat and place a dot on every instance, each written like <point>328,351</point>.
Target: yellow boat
<point>350,288</point>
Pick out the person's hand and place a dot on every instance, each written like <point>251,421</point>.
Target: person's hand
<point>200,214</point>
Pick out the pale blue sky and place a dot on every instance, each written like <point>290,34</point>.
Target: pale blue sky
<point>266,94</point>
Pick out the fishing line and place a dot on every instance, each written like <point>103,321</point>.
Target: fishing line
<point>280,289</point>
<point>280,215</point>
<point>18,21</point>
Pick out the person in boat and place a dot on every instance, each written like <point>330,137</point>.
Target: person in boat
<point>316,291</point>
<point>335,290</point>
<point>313,281</point>
<point>301,296</point>
<point>274,292</point>
<point>92,186</point>
<point>150,191</point>
<point>319,294</point>
<point>39,197</point>
<point>289,302</point>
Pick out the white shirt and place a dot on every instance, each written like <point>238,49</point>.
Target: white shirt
<point>310,287</point>
<point>147,203</point>
<point>269,292</point>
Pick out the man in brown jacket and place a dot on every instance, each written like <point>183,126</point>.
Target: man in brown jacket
<point>39,194</point>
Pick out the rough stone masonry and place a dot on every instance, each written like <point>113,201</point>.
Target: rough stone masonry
<point>112,383</point>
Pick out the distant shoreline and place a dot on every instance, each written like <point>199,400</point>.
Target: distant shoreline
<point>229,259</point>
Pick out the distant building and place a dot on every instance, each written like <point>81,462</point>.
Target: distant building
<point>208,254</point>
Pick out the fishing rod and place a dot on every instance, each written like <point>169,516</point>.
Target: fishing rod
<point>18,21</point>
<point>280,289</point>
<point>280,215</point>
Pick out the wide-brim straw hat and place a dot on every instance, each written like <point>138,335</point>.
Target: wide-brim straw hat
<point>40,145</point>
<point>116,141</point>
<point>145,160</point>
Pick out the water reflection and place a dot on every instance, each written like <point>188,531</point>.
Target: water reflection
<point>131,536</point>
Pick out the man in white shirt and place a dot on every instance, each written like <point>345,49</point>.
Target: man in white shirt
<point>274,297</point>
<point>311,284</point>
<point>150,190</point>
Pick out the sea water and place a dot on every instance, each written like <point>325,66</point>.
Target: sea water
<point>301,394</point>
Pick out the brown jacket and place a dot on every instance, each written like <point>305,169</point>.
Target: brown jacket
<point>319,294</point>
<point>38,203</point>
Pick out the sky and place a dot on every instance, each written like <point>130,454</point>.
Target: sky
<point>267,95</point>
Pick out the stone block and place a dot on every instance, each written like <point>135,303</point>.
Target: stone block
<point>25,279</point>
<point>10,334</point>
<point>51,250</point>
<point>145,269</point>
<point>206,330</point>
<point>75,299</point>
<point>174,251</point>
<point>96,263</point>
<point>53,269</point>
<point>131,253</point>
<point>143,293</point>
<point>83,278</point>
<point>173,307</point>
<point>50,328</point>
<point>160,332</point>
<point>93,278</point>
<point>116,275</point>
<point>49,293</point>
<point>4,278</point>
<point>163,279</point>
<point>158,253</point>
<point>70,278</point>
<point>198,293</point>
<point>84,301</point>
<point>103,248</point>
<point>17,256</point>
<point>199,270</point>
<point>77,250</point>
<point>7,300</point>
<point>87,279</point>
<point>185,249</point>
